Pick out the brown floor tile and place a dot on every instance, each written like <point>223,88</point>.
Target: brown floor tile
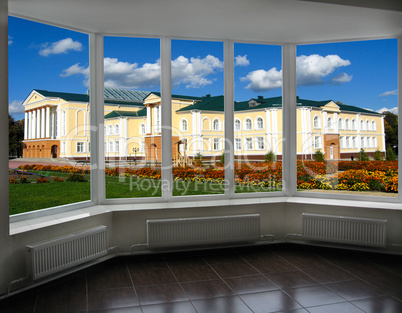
<point>355,289</point>
<point>314,296</point>
<point>185,262</point>
<point>160,294</point>
<point>270,301</point>
<point>112,298</point>
<point>223,258</point>
<point>291,279</point>
<point>234,269</point>
<point>206,289</point>
<point>113,275</point>
<point>271,264</point>
<point>221,305</point>
<point>176,307</point>
<point>134,309</point>
<point>344,307</point>
<point>250,284</point>
<point>194,273</point>
<point>328,274</point>
<point>148,277</point>
<point>20,303</point>
<point>385,304</point>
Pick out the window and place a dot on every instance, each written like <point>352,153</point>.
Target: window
<point>259,123</point>
<point>217,144</point>
<point>347,142</point>
<point>316,122</point>
<point>80,147</point>
<point>248,144</point>
<point>116,146</point>
<point>317,142</point>
<point>353,124</point>
<point>374,139</point>
<point>110,130</point>
<point>341,142</point>
<point>329,123</point>
<point>248,124</point>
<point>362,142</point>
<point>111,150</point>
<point>373,126</point>
<point>260,143</point>
<point>347,126</point>
<point>117,129</point>
<point>183,125</point>
<point>237,144</point>
<point>367,125</point>
<point>216,124</point>
<point>354,143</point>
<point>142,129</point>
<point>340,123</point>
<point>361,125</point>
<point>64,123</point>
<point>237,125</point>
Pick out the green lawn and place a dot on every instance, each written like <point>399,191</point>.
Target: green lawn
<point>33,196</point>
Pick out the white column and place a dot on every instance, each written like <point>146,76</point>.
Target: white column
<point>26,124</point>
<point>149,119</point>
<point>47,135</point>
<point>38,118</point>
<point>43,123</point>
<point>33,124</point>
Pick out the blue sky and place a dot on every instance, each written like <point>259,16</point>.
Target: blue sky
<point>362,73</point>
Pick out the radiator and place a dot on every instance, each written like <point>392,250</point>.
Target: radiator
<point>343,229</point>
<point>163,233</point>
<point>55,255</point>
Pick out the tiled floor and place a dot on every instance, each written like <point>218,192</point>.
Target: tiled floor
<point>273,278</point>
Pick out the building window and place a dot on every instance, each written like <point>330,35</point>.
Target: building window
<point>374,142</point>
<point>347,126</point>
<point>237,144</point>
<point>110,130</point>
<point>341,144</point>
<point>317,142</point>
<point>117,129</point>
<point>80,147</point>
<point>117,146</point>
<point>111,146</point>
<point>329,123</point>
<point>354,143</point>
<point>248,145</point>
<point>217,144</point>
<point>373,126</point>
<point>259,123</point>
<point>183,125</point>
<point>340,123</point>
<point>142,129</point>
<point>216,124</point>
<point>316,122</point>
<point>353,124</point>
<point>347,142</point>
<point>361,125</point>
<point>248,124</point>
<point>260,143</point>
<point>362,141</point>
<point>63,147</point>
<point>63,123</point>
<point>367,125</point>
<point>237,125</point>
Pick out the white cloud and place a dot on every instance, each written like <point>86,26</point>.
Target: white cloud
<point>242,60</point>
<point>341,78</point>
<point>191,72</point>
<point>389,93</point>
<point>261,80</point>
<point>15,107</point>
<point>10,40</point>
<point>392,110</point>
<point>311,70</point>
<point>61,46</point>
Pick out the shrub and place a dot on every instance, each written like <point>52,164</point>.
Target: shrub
<point>23,180</point>
<point>58,179</point>
<point>378,155</point>
<point>362,156</point>
<point>270,156</point>
<point>319,156</point>
<point>390,154</point>
<point>198,159</point>
<point>41,180</point>
<point>75,178</point>
<point>13,180</point>
<point>223,158</point>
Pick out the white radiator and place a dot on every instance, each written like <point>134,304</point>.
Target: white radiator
<point>49,257</point>
<point>164,233</point>
<point>343,229</point>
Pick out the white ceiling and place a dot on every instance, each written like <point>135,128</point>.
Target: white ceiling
<point>278,21</point>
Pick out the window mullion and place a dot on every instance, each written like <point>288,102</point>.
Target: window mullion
<point>96,102</point>
<point>166,104</point>
<point>229,116</point>
<point>289,105</point>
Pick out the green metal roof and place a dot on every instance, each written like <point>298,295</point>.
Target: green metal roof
<point>139,113</point>
<point>64,95</point>
<point>207,103</point>
<point>181,97</point>
<point>126,94</point>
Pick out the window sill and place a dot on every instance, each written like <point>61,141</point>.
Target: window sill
<point>30,223</point>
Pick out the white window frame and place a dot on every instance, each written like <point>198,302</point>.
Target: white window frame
<point>216,125</point>
<point>117,146</point>
<point>354,124</point>
<point>117,129</point>
<point>80,147</point>
<point>237,124</point>
<point>259,123</point>
<point>347,124</point>
<point>341,143</point>
<point>340,123</point>
<point>373,126</point>
<point>143,129</point>
<point>248,144</point>
<point>237,144</point>
<point>316,122</point>
<point>259,143</point>
<point>184,125</point>
<point>217,144</point>
<point>317,142</point>
<point>248,124</point>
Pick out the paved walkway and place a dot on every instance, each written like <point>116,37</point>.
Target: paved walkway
<point>14,163</point>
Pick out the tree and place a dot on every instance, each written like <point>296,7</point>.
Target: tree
<point>270,156</point>
<point>362,156</point>
<point>319,156</point>
<point>15,137</point>
<point>391,130</point>
<point>390,154</point>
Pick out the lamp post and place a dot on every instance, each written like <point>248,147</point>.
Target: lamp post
<point>135,150</point>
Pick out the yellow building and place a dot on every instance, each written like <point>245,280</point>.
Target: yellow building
<point>57,125</point>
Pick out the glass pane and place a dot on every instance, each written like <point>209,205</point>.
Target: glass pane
<point>258,118</point>
<point>347,130</point>
<point>132,117</point>
<point>48,82</point>
<point>197,118</point>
